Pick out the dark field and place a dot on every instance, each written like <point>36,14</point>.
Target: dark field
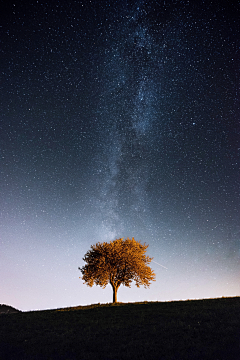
<point>196,329</point>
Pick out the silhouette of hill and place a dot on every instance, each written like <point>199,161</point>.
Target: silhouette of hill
<point>7,309</point>
<point>196,329</point>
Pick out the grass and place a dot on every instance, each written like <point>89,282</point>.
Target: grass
<point>194,329</point>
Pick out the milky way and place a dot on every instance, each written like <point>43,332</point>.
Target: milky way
<point>119,119</point>
<point>127,114</point>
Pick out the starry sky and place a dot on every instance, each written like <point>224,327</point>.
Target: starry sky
<point>119,119</point>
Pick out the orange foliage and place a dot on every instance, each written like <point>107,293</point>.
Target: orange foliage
<point>118,262</point>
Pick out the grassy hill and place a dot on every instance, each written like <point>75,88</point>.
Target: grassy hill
<point>196,329</point>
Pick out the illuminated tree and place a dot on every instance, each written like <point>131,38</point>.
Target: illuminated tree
<point>118,262</point>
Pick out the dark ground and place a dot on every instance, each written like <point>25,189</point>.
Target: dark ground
<point>196,329</point>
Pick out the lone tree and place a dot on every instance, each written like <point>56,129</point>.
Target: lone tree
<point>118,262</point>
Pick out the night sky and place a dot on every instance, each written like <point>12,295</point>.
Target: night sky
<point>119,119</point>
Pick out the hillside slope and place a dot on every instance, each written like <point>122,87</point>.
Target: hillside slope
<point>180,330</point>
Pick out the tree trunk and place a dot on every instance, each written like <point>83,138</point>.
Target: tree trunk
<point>115,289</point>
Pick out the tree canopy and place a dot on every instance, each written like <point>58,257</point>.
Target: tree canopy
<point>117,262</point>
